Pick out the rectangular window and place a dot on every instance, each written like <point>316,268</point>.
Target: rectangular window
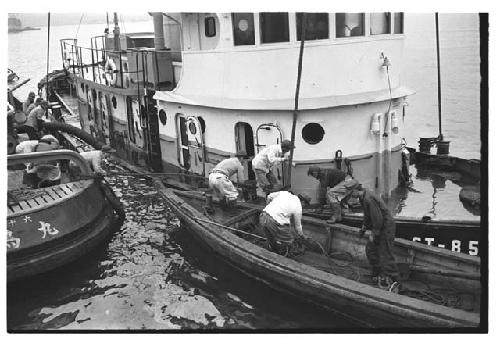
<point>274,27</point>
<point>398,23</point>
<point>316,26</point>
<point>210,27</point>
<point>349,24</point>
<point>243,29</point>
<point>380,23</point>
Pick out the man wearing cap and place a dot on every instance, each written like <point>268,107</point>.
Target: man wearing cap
<point>379,248</point>
<point>281,219</point>
<point>29,100</point>
<point>37,114</point>
<point>219,178</point>
<point>264,162</point>
<point>338,186</point>
<point>95,158</point>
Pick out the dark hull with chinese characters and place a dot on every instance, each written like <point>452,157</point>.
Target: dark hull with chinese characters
<point>55,226</point>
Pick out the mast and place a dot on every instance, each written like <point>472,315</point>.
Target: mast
<point>116,32</point>
<point>48,54</point>
<point>440,136</point>
<point>297,91</point>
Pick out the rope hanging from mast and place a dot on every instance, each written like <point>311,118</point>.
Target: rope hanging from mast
<point>297,91</point>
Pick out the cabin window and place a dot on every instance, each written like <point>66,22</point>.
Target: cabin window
<point>380,23</point>
<point>316,26</point>
<point>313,133</point>
<point>398,23</point>
<point>243,29</point>
<point>274,27</point>
<point>210,30</point>
<point>349,24</point>
<point>82,87</point>
<point>113,100</point>
<point>163,117</point>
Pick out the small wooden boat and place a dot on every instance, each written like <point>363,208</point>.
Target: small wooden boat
<point>51,226</point>
<point>441,288</point>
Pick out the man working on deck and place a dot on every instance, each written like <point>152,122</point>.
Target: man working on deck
<point>379,249</point>
<point>34,117</point>
<point>29,100</point>
<point>282,213</point>
<point>219,179</point>
<point>264,162</point>
<point>335,187</point>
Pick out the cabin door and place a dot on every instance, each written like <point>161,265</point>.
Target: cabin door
<point>245,143</point>
<point>196,145</point>
<point>267,135</point>
<point>182,142</point>
<point>130,120</point>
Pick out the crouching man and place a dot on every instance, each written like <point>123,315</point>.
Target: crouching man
<point>281,220</point>
<point>219,179</point>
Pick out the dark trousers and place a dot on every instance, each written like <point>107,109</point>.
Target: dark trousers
<point>381,258</point>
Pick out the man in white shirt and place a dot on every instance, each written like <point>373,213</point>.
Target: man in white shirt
<point>95,158</point>
<point>219,179</point>
<point>264,162</point>
<point>281,219</point>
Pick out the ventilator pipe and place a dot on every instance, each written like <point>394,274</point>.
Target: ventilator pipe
<point>159,39</point>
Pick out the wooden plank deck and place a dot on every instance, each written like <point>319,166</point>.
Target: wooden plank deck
<point>47,196</point>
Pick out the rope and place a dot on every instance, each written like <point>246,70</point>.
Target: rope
<point>390,99</point>
<point>48,54</point>
<point>78,29</point>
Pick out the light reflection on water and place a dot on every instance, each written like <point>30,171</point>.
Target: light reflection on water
<point>154,275</point>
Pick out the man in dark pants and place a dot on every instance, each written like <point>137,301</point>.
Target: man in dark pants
<point>379,249</point>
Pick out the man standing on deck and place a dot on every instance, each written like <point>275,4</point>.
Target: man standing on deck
<point>281,220</point>
<point>379,248</point>
<point>37,114</point>
<point>219,179</point>
<point>29,100</point>
<point>264,162</point>
<point>335,187</point>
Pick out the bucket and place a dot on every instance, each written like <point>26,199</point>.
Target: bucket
<point>443,147</point>
<point>425,144</point>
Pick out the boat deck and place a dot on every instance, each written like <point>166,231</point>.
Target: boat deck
<point>243,222</point>
<point>29,200</point>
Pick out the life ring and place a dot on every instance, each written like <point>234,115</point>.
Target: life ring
<point>110,72</point>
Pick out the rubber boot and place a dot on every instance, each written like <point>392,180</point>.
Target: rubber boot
<point>337,213</point>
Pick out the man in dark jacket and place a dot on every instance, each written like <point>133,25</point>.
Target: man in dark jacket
<point>379,249</point>
<point>335,187</point>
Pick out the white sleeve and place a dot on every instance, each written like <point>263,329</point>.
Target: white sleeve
<point>274,153</point>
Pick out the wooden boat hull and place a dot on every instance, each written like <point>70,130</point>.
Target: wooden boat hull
<point>45,238</point>
<point>455,235</point>
<point>367,305</point>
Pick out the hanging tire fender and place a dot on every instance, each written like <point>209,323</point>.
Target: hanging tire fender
<point>112,199</point>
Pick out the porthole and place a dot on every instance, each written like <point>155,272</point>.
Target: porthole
<point>192,127</point>
<point>113,100</point>
<point>313,133</point>
<point>163,117</point>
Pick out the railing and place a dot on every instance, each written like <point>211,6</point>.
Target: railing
<point>37,157</point>
<point>147,64</point>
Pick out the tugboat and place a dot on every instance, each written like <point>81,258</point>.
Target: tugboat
<point>52,225</point>
<point>160,99</point>
<point>58,212</point>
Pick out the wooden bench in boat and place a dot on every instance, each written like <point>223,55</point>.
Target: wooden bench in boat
<point>40,198</point>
